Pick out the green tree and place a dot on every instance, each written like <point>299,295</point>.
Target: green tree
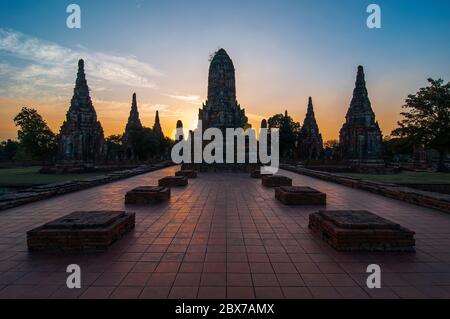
<point>37,141</point>
<point>288,130</point>
<point>427,118</point>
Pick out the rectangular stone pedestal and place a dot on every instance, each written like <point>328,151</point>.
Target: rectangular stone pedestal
<point>299,195</point>
<point>147,195</point>
<point>187,173</point>
<point>173,181</point>
<point>81,231</point>
<point>361,231</point>
<point>276,181</point>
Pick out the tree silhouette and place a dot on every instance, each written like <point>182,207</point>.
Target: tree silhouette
<point>289,131</point>
<point>37,141</point>
<point>427,119</point>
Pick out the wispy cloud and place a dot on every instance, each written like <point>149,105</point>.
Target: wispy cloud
<point>193,99</point>
<point>121,108</point>
<point>45,65</point>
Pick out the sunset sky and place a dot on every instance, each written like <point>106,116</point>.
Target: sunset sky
<point>283,52</point>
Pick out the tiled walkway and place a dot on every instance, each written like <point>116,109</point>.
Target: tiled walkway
<point>224,236</point>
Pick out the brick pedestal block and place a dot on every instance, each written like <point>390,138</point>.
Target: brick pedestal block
<point>299,195</point>
<point>147,195</point>
<point>187,173</point>
<point>173,181</point>
<point>276,181</point>
<point>361,231</point>
<point>81,231</point>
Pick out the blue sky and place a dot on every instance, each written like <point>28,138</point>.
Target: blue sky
<point>284,51</point>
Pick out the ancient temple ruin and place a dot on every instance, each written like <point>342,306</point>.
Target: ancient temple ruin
<point>360,136</point>
<point>81,142</point>
<point>310,144</point>
<point>133,125</point>
<point>157,127</point>
<point>221,109</point>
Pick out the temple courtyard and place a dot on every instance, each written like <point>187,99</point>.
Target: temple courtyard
<point>224,236</point>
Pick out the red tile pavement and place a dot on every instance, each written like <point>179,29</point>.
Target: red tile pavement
<point>224,236</point>
<point>212,293</point>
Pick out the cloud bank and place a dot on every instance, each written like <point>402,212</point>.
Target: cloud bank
<point>35,67</point>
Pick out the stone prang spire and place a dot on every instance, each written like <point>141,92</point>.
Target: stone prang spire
<point>221,110</point>
<point>130,137</point>
<point>221,81</point>
<point>133,120</point>
<point>157,126</point>
<point>360,136</point>
<point>360,111</point>
<point>81,142</point>
<point>310,144</point>
<point>81,100</point>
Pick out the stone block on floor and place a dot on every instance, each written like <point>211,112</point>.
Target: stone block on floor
<point>349,230</point>
<point>173,181</point>
<point>300,195</point>
<point>276,181</point>
<point>147,195</point>
<point>81,231</point>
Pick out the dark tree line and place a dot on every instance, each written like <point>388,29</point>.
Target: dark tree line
<point>36,141</point>
<point>144,143</point>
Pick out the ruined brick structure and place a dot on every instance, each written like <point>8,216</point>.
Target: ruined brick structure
<point>157,127</point>
<point>81,142</point>
<point>310,144</point>
<point>360,136</point>
<point>133,125</point>
<point>221,110</point>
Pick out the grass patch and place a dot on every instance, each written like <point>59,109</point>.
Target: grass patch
<point>30,176</point>
<point>406,178</point>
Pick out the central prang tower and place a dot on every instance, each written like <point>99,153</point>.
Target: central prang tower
<point>221,109</point>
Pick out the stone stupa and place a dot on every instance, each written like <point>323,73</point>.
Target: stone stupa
<point>81,142</point>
